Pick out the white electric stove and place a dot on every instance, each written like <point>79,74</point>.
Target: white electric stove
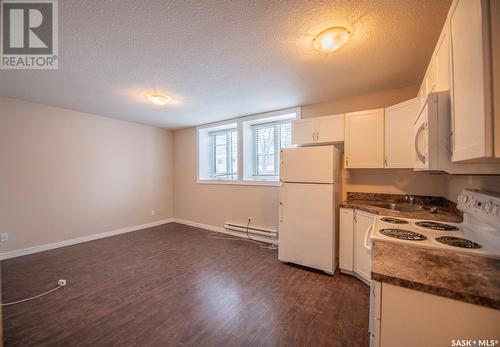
<point>478,234</point>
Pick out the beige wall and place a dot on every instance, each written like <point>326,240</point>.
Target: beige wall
<point>66,174</point>
<point>455,184</point>
<point>360,102</point>
<point>394,182</point>
<point>216,204</point>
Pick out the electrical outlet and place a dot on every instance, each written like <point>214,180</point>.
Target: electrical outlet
<point>4,237</point>
<point>61,283</point>
<point>153,212</point>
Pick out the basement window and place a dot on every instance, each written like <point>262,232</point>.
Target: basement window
<point>224,154</point>
<point>218,153</point>
<point>245,150</point>
<point>267,141</point>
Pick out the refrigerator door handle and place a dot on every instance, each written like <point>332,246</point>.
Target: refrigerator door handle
<point>281,212</point>
<point>282,202</point>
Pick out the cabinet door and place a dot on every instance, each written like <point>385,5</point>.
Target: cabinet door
<point>472,120</point>
<point>303,131</point>
<point>362,256</point>
<point>430,77</point>
<point>442,60</point>
<point>364,139</point>
<point>330,129</point>
<point>346,239</point>
<point>399,121</point>
<point>435,320</point>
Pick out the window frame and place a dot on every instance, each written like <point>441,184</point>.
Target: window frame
<point>229,153</point>
<point>276,144</point>
<point>239,124</point>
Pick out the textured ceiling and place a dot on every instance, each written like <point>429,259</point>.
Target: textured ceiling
<point>222,59</point>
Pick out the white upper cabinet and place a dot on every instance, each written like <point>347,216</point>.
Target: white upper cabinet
<point>437,76</point>
<point>430,77</point>
<point>364,139</point>
<point>327,129</point>
<point>330,128</point>
<point>471,99</point>
<point>441,59</point>
<point>303,131</point>
<point>399,133</point>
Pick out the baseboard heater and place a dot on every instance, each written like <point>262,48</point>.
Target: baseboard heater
<point>267,233</point>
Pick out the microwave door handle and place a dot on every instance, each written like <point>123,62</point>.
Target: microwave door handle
<point>420,156</point>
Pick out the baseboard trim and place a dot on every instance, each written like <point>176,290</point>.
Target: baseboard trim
<point>222,230</point>
<point>54,245</point>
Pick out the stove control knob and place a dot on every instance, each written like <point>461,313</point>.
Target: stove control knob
<point>487,207</point>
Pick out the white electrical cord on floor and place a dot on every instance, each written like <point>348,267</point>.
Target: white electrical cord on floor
<point>60,284</point>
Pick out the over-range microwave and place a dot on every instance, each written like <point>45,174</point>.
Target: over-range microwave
<point>433,140</point>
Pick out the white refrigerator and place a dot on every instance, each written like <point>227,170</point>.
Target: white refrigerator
<point>308,224</point>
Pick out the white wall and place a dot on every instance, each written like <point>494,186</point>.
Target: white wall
<point>66,174</point>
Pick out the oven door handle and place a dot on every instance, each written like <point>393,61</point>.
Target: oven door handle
<point>367,243</point>
<point>419,154</point>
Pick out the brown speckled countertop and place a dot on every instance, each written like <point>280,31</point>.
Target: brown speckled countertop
<point>447,209</point>
<point>453,275</point>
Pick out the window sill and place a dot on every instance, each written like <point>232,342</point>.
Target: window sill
<point>240,183</point>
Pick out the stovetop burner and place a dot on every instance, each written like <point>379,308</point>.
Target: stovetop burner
<point>457,242</point>
<point>393,220</point>
<point>403,234</point>
<point>436,226</point>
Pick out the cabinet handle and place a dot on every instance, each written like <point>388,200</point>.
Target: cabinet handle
<point>354,215</point>
<point>385,161</point>
<point>314,134</point>
<point>317,135</point>
<point>346,161</point>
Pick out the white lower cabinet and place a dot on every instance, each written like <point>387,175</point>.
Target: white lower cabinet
<point>355,254</point>
<point>346,246</point>
<point>413,318</point>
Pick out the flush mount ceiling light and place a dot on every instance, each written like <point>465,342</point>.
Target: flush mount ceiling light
<point>331,39</point>
<point>158,98</point>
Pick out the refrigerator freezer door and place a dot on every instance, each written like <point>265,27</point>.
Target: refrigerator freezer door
<point>306,225</point>
<point>308,164</point>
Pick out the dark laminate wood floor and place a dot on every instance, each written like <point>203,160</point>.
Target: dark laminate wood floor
<point>172,285</point>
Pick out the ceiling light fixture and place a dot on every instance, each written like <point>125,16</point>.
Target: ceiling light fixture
<point>331,39</point>
<point>158,98</point>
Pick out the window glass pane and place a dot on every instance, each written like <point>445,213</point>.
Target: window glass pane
<point>285,134</point>
<point>268,140</point>
<point>220,154</point>
<point>224,158</point>
<point>265,151</point>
